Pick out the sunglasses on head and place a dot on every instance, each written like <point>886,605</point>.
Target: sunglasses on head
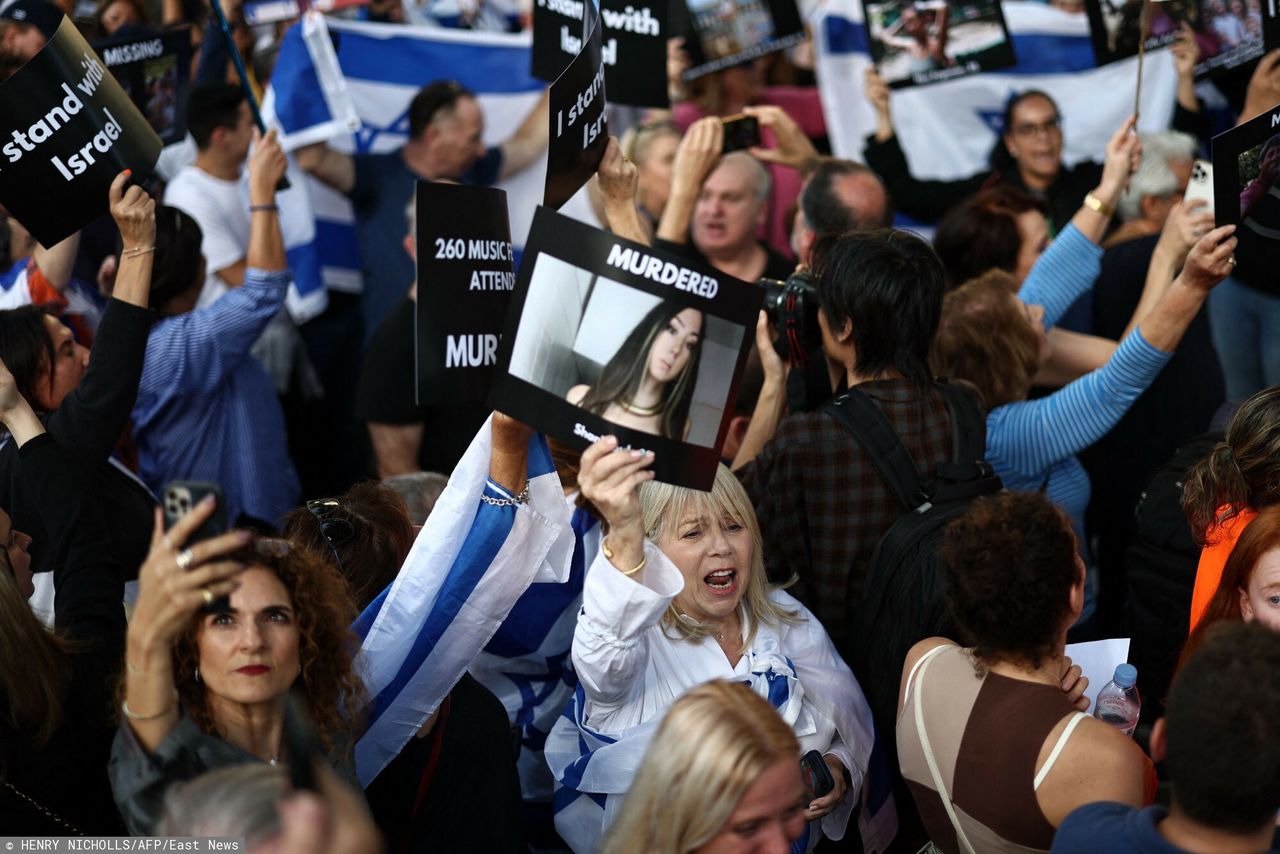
<point>335,529</point>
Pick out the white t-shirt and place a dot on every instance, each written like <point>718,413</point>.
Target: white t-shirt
<point>221,209</point>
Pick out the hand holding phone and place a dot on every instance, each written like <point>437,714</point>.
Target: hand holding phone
<point>818,781</point>
<point>741,132</point>
<point>180,497</point>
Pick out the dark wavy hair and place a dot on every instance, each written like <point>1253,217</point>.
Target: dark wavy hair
<point>27,350</point>
<point>1242,471</point>
<point>178,259</point>
<point>1010,562</point>
<point>323,609</point>
<point>622,376</point>
<point>981,233</point>
<point>381,536</point>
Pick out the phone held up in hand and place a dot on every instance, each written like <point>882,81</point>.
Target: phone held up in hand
<point>179,498</point>
<point>818,781</point>
<point>741,132</point>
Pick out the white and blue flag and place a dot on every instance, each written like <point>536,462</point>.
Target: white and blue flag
<point>948,129</point>
<point>355,96</point>
<point>470,563</point>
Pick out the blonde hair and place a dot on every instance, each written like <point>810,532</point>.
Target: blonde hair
<point>664,505</point>
<point>713,744</point>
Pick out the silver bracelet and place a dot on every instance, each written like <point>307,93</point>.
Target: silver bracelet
<point>522,498</point>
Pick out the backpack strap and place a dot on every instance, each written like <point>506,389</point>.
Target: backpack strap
<point>873,431</point>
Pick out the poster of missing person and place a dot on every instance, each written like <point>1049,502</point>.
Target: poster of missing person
<point>579,126</point>
<point>156,72</point>
<point>1246,191</point>
<point>721,33</point>
<point>67,128</point>
<point>913,42</point>
<point>1229,33</point>
<point>605,336</point>
<point>465,277</point>
<point>634,46</point>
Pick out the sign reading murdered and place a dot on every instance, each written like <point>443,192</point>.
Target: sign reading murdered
<point>156,72</point>
<point>579,129</point>
<point>1246,191</point>
<point>721,33</point>
<point>67,128</point>
<point>465,277</point>
<point>605,336</point>
<point>634,46</point>
<point>925,41</point>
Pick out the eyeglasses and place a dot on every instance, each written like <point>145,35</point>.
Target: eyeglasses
<point>335,529</point>
<point>1028,131</point>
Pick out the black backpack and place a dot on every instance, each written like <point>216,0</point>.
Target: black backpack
<point>903,598</point>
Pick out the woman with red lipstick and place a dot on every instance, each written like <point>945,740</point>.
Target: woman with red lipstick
<point>648,384</point>
<point>679,596</point>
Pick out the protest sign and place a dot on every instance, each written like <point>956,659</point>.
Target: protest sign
<point>274,11</point>
<point>634,46</point>
<point>156,72</point>
<point>1246,191</point>
<point>605,336</point>
<point>1229,33</point>
<point>67,128</point>
<point>925,41</point>
<point>579,128</point>
<point>721,33</point>
<point>465,276</point>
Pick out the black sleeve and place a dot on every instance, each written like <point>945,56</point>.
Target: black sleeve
<point>923,200</point>
<point>385,393</point>
<point>88,602</point>
<point>90,420</point>
<point>1197,124</point>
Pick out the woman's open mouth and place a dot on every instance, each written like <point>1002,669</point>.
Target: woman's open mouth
<point>722,582</point>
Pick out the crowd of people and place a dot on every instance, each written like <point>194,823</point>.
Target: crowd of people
<point>381,623</point>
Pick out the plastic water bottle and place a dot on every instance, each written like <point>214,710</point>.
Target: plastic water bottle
<point>1118,702</point>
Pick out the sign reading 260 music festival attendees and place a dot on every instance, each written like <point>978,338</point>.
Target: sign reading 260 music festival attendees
<point>465,276</point>
<point>67,129</point>
<point>606,336</point>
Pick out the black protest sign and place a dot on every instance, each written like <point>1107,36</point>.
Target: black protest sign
<point>67,128</point>
<point>634,46</point>
<point>465,276</point>
<point>1229,33</point>
<point>606,336</point>
<point>579,130</point>
<point>156,72</point>
<point>1246,191</point>
<point>722,33</point>
<point>928,41</point>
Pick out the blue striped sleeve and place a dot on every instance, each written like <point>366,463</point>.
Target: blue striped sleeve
<point>1064,272</point>
<point>1031,435</point>
<point>193,352</point>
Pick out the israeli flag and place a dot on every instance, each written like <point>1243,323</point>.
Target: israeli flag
<point>356,97</point>
<point>470,563</point>
<point>948,129</point>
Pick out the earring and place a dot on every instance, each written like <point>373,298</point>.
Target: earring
<point>197,673</point>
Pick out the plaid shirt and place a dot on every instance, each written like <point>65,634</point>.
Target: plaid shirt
<point>823,506</point>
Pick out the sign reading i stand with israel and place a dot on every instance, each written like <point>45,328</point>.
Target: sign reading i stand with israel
<point>350,83</point>
<point>947,129</point>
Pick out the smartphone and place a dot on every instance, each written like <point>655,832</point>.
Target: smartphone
<point>741,131</point>
<point>818,781</point>
<point>300,742</point>
<point>1200,186</point>
<point>180,497</point>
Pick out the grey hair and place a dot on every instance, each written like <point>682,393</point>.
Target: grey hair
<point>420,491</point>
<point>1154,177</point>
<point>242,800</point>
<point>764,181</point>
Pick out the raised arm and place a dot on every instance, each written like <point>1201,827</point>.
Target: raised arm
<point>332,167</point>
<point>617,180</point>
<point>135,215</point>
<point>697,155</point>
<point>530,140</point>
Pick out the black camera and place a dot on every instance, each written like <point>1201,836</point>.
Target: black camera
<point>793,308</point>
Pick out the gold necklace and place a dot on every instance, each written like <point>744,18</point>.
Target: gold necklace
<point>630,407</point>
